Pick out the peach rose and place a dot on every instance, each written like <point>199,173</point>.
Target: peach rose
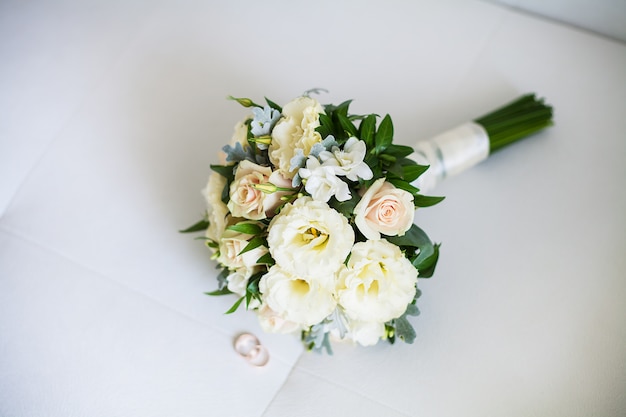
<point>384,209</point>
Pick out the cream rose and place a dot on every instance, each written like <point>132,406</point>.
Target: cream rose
<point>384,209</point>
<point>301,300</point>
<point>295,131</point>
<point>216,209</point>
<point>308,238</point>
<point>377,283</point>
<point>249,202</point>
<point>230,246</point>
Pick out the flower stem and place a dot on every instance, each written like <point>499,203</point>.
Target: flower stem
<point>516,120</point>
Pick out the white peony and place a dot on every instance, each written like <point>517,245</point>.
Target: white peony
<point>301,300</point>
<point>384,209</point>
<point>230,246</point>
<point>308,238</point>
<point>322,183</point>
<point>295,131</point>
<point>349,161</point>
<point>377,283</point>
<point>216,209</point>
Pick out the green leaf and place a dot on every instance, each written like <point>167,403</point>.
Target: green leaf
<point>346,207</point>
<point>223,291</point>
<point>226,171</point>
<point>367,130</point>
<point>426,201</point>
<point>403,185</point>
<point>426,261</point>
<point>414,237</point>
<point>273,105</point>
<point>235,306</point>
<point>399,151</point>
<point>342,109</point>
<point>326,126</point>
<point>384,135</point>
<point>412,172</point>
<point>254,243</point>
<point>197,227</point>
<point>347,125</point>
<point>246,228</point>
<point>266,260</point>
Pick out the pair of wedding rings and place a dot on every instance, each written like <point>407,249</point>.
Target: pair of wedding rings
<point>249,347</point>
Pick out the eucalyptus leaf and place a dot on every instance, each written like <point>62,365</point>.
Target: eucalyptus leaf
<point>405,330</point>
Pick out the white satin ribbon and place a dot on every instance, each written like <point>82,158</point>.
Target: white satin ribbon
<point>450,153</point>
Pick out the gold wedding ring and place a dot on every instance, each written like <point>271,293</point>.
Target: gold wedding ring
<point>249,347</point>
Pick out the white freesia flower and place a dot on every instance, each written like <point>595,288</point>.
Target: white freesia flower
<point>297,299</point>
<point>295,131</point>
<point>264,119</point>
<point>216,209</point>
<point>384,209</point>
<point>240,135</point>
<point>349,160</point>
<point>308,238</point>
<point>271,322</point>
<point>249,202</point>
<point>322,183</point>
<point>366,333</point>
<point>377,283</point>
<point>230,246</point>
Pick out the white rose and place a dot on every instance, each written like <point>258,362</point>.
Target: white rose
<point>295,130</point>
<point>322,183</point>
<point>249,202</point>
<point>378,282</point>
<point>216,209</point>
<point>305,301</point>
<point>384,209</point>
<point>230,246</point>
<point>271,322</point>
<point>366,333</point>
<point>308,238</point>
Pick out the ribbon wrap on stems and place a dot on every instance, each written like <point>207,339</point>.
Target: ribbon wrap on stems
<point>464,146</point>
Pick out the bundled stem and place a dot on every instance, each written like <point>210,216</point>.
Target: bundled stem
<point>515,121</point>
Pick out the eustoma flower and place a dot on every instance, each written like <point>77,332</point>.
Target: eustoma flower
<point>377,282</point>
<point>309,239</point>
<point>295,131</point>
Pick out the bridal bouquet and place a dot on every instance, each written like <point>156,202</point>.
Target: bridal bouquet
<point>310,217</point>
